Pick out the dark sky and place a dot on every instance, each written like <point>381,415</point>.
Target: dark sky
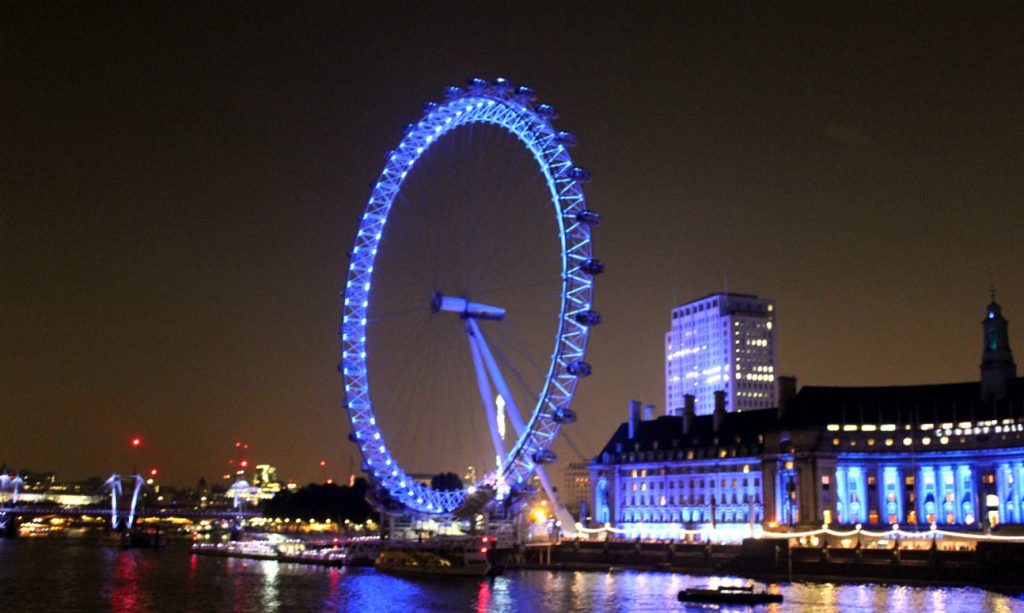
<point>180,185</point>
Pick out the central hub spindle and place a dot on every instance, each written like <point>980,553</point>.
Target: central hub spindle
<point>465,308</point>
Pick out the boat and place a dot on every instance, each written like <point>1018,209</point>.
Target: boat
<point>729,595</point>
<point>434,561</point>
<point>144,538</point>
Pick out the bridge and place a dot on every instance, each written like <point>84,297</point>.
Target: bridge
<point>122,513</point>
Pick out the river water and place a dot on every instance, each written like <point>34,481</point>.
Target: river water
<point>85,575</point>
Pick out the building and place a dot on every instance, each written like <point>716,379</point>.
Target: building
<point>264,479</point>
<point>949,454</point>
<point>576,488</point>
<point>721,342</point>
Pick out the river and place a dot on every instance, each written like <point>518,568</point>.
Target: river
<point>86,575</point>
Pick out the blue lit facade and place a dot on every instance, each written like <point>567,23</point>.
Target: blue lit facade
<point>678,472</point>
<point>950,455</point>
<point>818,462</point>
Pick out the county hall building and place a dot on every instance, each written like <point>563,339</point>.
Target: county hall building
<point>949,454</point>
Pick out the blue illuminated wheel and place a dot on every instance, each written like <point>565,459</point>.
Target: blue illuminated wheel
<point>498,105</point>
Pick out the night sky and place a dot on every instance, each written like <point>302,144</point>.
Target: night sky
<point>179,186</point>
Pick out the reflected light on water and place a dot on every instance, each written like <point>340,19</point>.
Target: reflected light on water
<point>270,597</point>
<point>62,576</point>
<point>335,585</point>
<point>126,590</point>
<point>483,597</point>
<point>939,600</point>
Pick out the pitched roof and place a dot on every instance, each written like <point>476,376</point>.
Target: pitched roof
<point>816,407</point>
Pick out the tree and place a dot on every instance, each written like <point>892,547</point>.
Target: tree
<point>446,482</point>
<point>324,502</point>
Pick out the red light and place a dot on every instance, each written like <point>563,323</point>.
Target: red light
<point>231,461</point>
<point>136,441</point>
<point>483,540</point>
<point>245,446</point>
<point>330,482</point>
<point>153,472</point>
<point>323,462</point>
<point>243,463</point>
<point>238,444</point>
<point>483,550</point>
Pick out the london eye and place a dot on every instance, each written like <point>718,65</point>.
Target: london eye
<point>468,301</point>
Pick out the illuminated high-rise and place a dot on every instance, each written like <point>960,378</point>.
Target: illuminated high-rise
<point>721,342</point>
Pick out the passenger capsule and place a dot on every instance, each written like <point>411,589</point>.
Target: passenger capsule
<point>588,317</point>
<point>564,416</point>
<point>452,92</point>
<point>578,174</point>
<point>429,106</point>
<point>565,139</point>
<point>591,218</point>
<point>501,85</point>
<point>477,84</point>
<point>579,368</point>
<point>546,111</point>
<point>545,456</point>
<point>525,94</point>
<point>592,266</point>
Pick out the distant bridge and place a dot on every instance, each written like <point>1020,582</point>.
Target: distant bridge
<point>223,513</point>
<point>120,518</point>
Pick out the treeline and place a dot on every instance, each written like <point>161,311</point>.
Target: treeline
<point>323,502</point>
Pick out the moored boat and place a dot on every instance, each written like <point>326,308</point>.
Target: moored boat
<point>729,595</point>
<point>443,561</point>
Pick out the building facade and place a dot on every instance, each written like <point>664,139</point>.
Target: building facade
<point>721,342</point>
<point>950,455</point>
<point>576,488</point>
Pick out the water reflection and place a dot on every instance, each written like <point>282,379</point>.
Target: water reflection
<point>484,597</point>
<point>269,570</point>
<point>90,577</point>
<point>126,588</point>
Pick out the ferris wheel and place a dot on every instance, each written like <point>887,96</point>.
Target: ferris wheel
<point>480,316</point>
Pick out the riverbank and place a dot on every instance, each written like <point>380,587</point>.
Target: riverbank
<point>995,565</point>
